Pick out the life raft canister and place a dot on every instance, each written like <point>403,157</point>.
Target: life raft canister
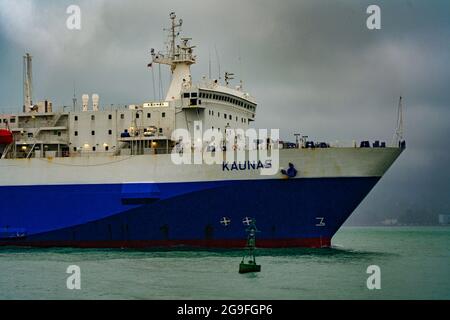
<point>6,136</point>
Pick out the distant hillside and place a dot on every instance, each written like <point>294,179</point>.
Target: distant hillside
<point>370,217</point>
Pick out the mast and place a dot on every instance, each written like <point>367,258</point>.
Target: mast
<point>27,83</point>
<point>178,56</point>
<point>74,99</point>
<point>398,136</point>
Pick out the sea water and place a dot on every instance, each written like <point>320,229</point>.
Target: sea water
<point>414,263</point>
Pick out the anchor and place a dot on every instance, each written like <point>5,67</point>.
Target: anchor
<point>250,265</point>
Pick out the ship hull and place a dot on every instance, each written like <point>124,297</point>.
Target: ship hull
<point>305,211</point>
<point>289,213</point>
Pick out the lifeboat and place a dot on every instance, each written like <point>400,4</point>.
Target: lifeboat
<point>6,136</point>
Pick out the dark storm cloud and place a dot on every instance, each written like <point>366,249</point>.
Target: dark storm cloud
<point>312,65</point>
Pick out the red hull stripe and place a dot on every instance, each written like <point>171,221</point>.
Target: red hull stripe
<point>272,243</point>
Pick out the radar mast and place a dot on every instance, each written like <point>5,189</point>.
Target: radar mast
<point>178,56</point>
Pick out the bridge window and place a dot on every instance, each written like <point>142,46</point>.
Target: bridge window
<point>75,118</point>
<point>92,117</point>
<point>93,132</point>
<point>224,116</point>
<point>163,114</point>
<point>110,132</point>
<point>186,95</point>
<point>149,115</point>
<point>230,117</point>
<point>93,148</point>
<point>122,116</point>
<point>109,116</point>
<point>75,133</point>
<point>194,95</point>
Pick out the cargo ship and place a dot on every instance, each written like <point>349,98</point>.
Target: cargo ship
<point>104,176</point>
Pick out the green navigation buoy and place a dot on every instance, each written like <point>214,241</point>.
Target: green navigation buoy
<point>248,263</point>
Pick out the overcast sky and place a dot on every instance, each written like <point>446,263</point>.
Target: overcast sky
<point>313,67</point>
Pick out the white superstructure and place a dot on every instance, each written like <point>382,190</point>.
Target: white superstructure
<point>144,128</point>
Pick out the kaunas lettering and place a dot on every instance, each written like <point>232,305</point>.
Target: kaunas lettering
<point>246,165</point>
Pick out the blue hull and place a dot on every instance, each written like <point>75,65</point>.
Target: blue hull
<point>292,212</point>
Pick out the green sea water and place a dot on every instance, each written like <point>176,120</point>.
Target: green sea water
<point>414,264</point>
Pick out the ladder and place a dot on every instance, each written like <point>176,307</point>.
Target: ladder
<point>31,150</point>
<point>6,150</point>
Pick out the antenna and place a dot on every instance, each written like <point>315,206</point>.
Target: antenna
<point>209,62</point>
<point>173,33</point>
<point>74,99</point>
<point>398,136</point>
<point>160,86</point>
<point>240,66</point>
<point>153,83</point>
<point>218,60</point>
